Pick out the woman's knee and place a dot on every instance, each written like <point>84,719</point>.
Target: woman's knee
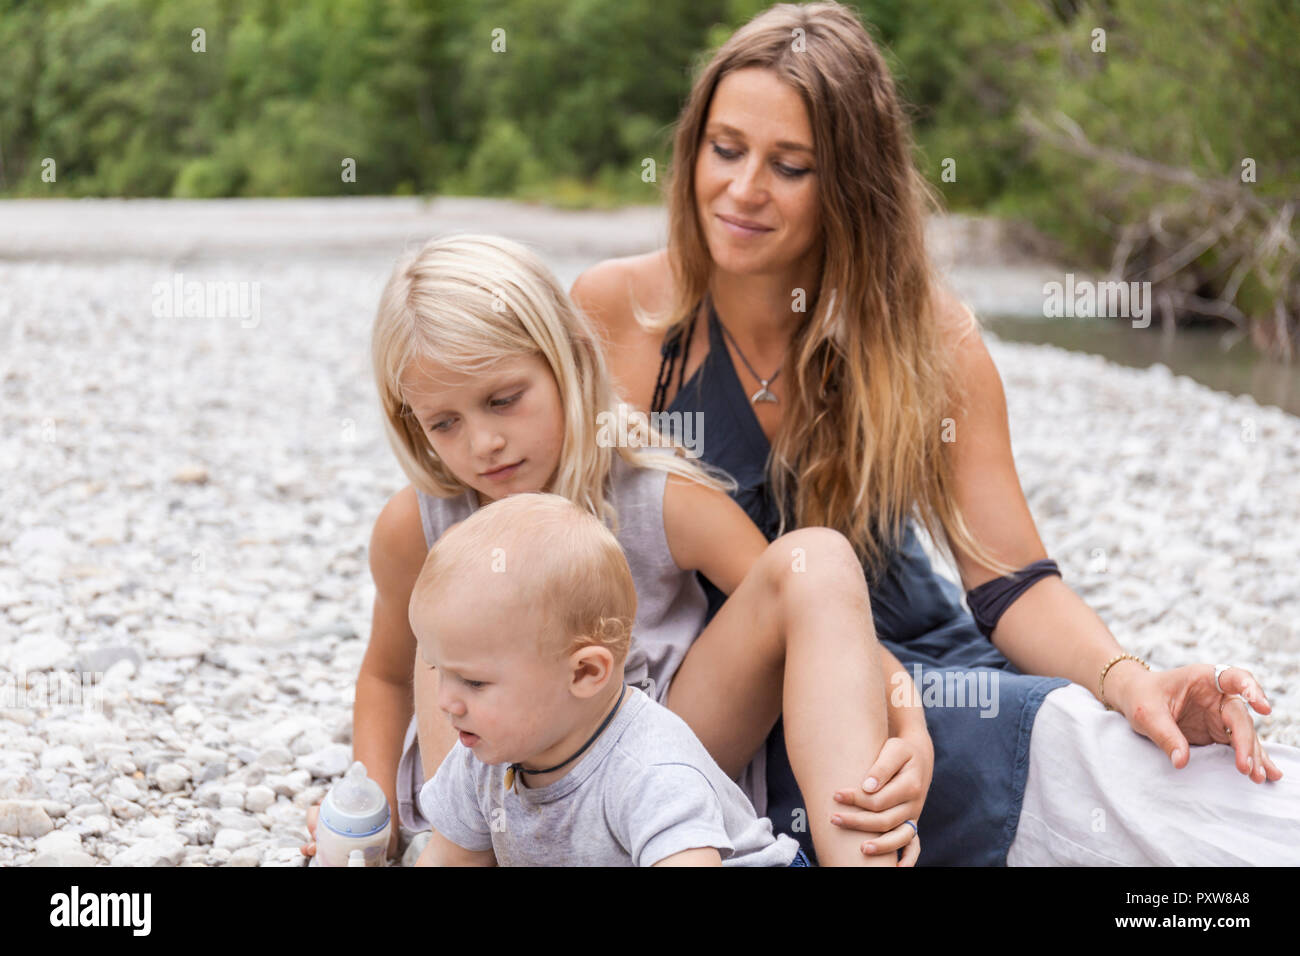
<point>814,559</point>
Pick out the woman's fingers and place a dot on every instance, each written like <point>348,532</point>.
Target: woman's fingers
<point>901,792</point>
<point>882,822</point>
<point>911,852</point>
<point>893,755</point>
<point>1238,680</point>
<point>889,842</point>
<point>1241,730</point>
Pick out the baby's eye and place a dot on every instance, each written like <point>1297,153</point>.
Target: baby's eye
<point>476,684</point>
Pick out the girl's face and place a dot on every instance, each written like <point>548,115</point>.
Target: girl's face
<point>499,431</point>
<point>755,176</point>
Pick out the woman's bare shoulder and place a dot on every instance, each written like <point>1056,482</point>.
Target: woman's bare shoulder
<point>607,290</point>
<point>606,293</point>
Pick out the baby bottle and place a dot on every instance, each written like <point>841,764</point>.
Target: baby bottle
<point>353,818</point>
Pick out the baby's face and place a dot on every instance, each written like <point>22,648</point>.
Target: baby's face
<point>499,431</point>
<point>495,687</point>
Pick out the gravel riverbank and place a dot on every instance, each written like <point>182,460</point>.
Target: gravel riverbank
<point>189,500</point>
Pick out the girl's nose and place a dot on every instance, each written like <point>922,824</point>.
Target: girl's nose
<point>486,440</point>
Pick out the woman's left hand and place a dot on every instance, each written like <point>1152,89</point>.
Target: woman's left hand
<point>1181,706</point>
<point>894,791</point>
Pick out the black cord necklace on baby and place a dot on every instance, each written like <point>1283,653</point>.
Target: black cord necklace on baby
<point>510,773</point>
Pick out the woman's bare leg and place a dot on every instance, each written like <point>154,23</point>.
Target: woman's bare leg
<point>796,638</point>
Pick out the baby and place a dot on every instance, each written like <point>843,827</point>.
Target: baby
<point>526,608</point>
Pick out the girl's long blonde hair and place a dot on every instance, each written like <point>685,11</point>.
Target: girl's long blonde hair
<point>469,301</point>
<point>861,443</point>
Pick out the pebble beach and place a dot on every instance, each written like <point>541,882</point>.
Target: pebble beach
<point>185,595</point>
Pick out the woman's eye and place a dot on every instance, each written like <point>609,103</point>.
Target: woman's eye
<point>789,172</point>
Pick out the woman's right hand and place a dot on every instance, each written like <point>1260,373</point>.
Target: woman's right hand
<point>902,775</point>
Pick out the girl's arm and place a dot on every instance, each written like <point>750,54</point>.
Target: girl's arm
<point>384,705</point>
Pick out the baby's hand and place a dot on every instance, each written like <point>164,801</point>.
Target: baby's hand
<point>894,792</point>
<point>312,814</point>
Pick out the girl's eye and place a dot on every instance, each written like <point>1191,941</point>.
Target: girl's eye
<point>503,402</point>
<point>439,426</point>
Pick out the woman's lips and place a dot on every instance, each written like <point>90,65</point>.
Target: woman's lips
<point>502,474</point>
<point>742,232</point>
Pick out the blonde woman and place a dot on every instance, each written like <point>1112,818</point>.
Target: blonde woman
<point>841,386</point>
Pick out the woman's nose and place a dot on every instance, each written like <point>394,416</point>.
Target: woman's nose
<point>746,186</point>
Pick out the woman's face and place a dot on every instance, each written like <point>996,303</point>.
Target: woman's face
<point>755,176</point>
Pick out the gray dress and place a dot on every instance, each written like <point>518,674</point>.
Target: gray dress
<point>670,613</point>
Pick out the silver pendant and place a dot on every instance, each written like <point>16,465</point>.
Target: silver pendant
<point>762,395</point>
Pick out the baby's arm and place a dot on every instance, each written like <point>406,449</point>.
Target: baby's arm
<point>700,856</point>
<point>442,852</point>
<point>668,814</point>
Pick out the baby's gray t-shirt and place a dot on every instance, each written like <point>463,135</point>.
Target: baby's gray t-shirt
<point>645,790</point>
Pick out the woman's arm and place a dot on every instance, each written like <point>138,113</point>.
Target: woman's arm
<point>989,494</point>
<point>1049,629</point>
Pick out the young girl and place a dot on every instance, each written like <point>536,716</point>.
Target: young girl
<point>492,383</point>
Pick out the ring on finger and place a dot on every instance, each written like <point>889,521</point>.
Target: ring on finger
<point>1226,729</point>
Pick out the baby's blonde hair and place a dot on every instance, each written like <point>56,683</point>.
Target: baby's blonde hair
<point>548,553</point>
<point>469,301</point>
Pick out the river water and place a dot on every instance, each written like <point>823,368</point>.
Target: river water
<point>1196,353</point>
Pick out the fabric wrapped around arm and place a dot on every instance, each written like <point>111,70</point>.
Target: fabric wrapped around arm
<point>990,600</point>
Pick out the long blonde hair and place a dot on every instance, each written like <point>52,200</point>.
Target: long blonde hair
<point>860,448</point>
<point>469,301</point>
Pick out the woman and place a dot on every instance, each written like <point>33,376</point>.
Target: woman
<point>795,308</point>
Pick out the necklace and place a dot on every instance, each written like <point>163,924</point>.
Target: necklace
<point>510,773</point>
<point>764,394</point>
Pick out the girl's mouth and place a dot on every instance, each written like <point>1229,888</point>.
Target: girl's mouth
<point>469,740</point>
<point>501,474</point>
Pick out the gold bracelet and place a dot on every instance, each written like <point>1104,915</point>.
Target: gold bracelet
<point>1101,681</point>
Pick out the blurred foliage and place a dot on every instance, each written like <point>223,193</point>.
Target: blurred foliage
<point>565,100</point>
